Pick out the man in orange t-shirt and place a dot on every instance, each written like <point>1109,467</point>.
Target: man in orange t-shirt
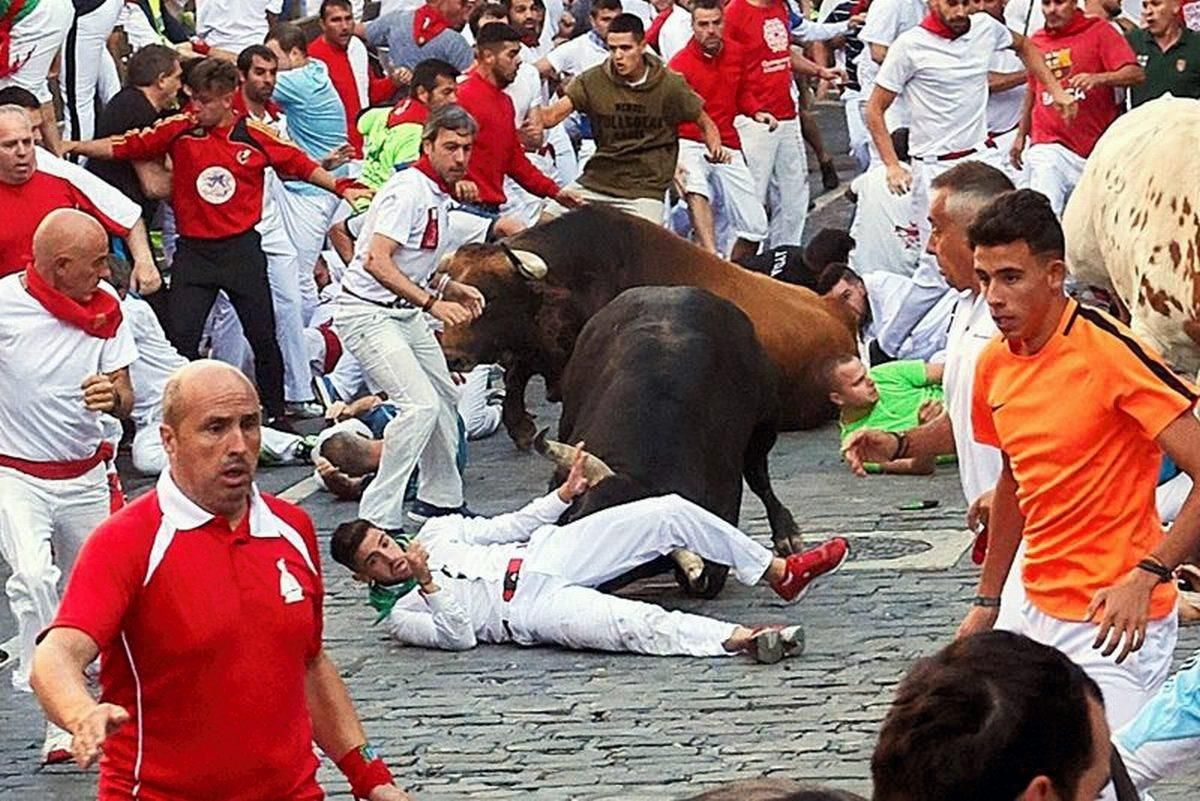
<point>1082,412</point>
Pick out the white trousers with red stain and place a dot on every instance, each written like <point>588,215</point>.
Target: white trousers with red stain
<point>43,524</point>
<point>556,603</point>
<point>33,44</point>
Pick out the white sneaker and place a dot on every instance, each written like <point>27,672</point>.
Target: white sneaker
<point>303,410</point>
<point>57,748</point>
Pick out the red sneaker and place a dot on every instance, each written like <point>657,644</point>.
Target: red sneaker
<point>802,568</point>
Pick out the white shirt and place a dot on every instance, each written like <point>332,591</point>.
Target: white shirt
<point>468,558</point>
<point>970,330</point>
<point>886,20</point>
<point>156,360</point>
<point>885,236</point>
<point>578,54</point>
<point>675,33</point>
<point>640,9</point>
<point>1004,108</point>
<point>885,292</point>
<point>410,209</point>
<point>43,362</point>
<point>944,82</point>
<point>107,198</point>
<point>525,90</point>
<point>234,25</point>
<point>1024,16</point>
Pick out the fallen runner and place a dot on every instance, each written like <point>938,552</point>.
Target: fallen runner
<point>520,578</point>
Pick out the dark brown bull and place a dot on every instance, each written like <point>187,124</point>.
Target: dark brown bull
<point>544,284</point>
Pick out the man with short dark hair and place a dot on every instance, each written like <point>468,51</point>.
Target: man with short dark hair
<point>635,105</point>
<point>1078,479</point>
<point>498,151</point>
<point>1168,52</point>
<point>153,77</point>
<point>219,161</point>
<point>993,717</point>
<point>349,67</point>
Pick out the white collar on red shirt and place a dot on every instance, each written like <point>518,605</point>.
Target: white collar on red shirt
<point>181,513</point>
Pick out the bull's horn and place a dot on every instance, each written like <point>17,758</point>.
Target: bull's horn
<point>529,264</point>
<point>563,455</point>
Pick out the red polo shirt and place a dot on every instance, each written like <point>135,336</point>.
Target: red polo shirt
<point>205,636</point>
<point>217,183</point>
<point>715,79</point>
<point>346,83</point>
<point>56,184</point>
<point>764,37</point>
<point>1089,45</point>
<point>498,150</point>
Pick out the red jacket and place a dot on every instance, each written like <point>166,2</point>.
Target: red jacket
<point>498,150</point>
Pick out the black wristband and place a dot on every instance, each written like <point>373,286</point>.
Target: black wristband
<point>985,601</point>
<point>428,304</point>
<point>1163,572</point>
<point>901,445</point>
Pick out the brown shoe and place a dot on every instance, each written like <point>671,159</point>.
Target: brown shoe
<point>829,175</point>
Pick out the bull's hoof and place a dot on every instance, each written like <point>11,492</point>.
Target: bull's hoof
<point>789,544</point>
<point>707,586</point>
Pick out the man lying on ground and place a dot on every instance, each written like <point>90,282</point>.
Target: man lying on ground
<point>520,578</point>
<point>895,396</point>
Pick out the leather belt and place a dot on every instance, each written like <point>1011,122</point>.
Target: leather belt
<point>398,303</point>
<point>957,154</point>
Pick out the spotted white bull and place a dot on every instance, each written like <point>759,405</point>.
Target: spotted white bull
<point>1133,224</point>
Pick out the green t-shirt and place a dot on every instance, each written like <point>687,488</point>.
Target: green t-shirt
<point>635,128</point>
<point>902,389</point>
<point>386,150</point>
<point>1177,71</point>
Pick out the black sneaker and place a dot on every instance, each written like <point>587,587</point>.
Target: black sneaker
<point>420,511</point>
<point>829,175</point>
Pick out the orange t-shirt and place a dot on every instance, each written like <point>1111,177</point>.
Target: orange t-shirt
<point>1078,422</point>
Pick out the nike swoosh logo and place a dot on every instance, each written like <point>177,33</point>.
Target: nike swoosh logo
<point>998,406</point>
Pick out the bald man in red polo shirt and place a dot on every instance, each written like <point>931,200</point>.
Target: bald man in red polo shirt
<point>204,600</point>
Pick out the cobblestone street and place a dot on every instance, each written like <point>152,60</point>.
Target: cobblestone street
<point>504,722</point>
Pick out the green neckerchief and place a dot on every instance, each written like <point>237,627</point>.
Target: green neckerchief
<point>382,597</point>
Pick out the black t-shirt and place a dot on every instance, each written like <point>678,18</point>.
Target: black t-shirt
<point>129,110</point>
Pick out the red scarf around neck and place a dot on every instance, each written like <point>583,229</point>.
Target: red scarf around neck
<point>1078,23</point>
<point>934,24</point>
<point>99,317</point>
<point>408,110</point>
<point>428,22</point>
<point>424,166</point>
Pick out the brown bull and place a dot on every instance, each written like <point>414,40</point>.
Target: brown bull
<point>544,284</point>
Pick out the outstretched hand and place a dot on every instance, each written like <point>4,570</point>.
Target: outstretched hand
<point>576,482</point>
<point>90,732</point>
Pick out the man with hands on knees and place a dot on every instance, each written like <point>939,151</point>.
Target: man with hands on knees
<point>389,287</point>
<point>204,599</point>
<point>1078,477</point>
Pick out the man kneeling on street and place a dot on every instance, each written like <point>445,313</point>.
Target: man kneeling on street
<point>520,578</point>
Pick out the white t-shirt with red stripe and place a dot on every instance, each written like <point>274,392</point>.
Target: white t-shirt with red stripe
<point>205,636</point>
<point>43,362</point>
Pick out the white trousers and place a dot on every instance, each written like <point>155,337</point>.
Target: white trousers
<point>43,524</point>
<point>83,57</point>
<point>732,184</point>
<point>779,164</point>
<point>1054,171</point>
<point>555,602</point>
<point>35,41</point>
<point>1164,738</point>
<point>480,416</point>
<point>1003,161</point>
<point>306,218</point>
<point>856,129</point>
<point>1127,686</point>
<point>400,356</point>
<point>137,26</point>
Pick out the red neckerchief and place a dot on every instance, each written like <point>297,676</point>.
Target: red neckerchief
<point>935,25</point>
<point>1077,24</point>
<point>424,166</point>
<point>656,26</point>
<point>408,110</point>
<point>99,317</point>
<point>428,22</point>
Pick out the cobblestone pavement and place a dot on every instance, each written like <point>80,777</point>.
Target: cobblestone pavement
<point>505,722</point>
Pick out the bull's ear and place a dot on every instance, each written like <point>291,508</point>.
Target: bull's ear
<point>531,265</point>
<point>446,260</point>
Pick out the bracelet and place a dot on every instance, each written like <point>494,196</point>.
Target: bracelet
<point>1152,565</point>
<point>428,304</point>
<point>901,445</point>
<point>365,770</point>
<point>986,602</point>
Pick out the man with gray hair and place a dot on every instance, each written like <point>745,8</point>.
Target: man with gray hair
<point>64,361</point>
<point>387,290</point>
